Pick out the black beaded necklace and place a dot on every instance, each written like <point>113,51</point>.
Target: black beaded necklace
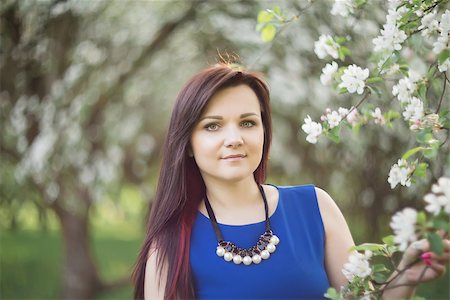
<point>230,252</point>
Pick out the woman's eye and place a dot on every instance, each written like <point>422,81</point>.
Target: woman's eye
<point>248,124</point>
<point>212,127</point>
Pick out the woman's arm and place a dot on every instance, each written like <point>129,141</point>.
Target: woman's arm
<point>338,239</point>
<point>155,281</point>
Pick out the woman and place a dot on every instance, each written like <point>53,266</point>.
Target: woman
<point>216,231</point>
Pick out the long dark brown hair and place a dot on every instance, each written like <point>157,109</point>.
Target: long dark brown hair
<point>181,187</point>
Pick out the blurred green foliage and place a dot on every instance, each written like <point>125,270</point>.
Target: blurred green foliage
<point>31,263</point>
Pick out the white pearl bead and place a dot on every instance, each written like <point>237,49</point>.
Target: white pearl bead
<point>274,240</point>
<point>256,259</point>
<point>237,259</point>
<point>220,251</point>
<point>271,248</point>
<point>228,256</point>
<point>247,260</point>
<point>265,254</point>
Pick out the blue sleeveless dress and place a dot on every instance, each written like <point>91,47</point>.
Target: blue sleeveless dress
<point>294,271</point>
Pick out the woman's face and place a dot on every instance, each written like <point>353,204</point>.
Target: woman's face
<point>227,142</point>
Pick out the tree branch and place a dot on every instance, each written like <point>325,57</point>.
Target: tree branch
<point>159,40</point>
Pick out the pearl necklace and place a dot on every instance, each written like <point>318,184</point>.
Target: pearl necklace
<point>230,252</point>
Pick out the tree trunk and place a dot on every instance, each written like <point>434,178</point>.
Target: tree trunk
<point>80,277</point>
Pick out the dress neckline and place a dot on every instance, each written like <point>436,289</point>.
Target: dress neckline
<point>275,212</point>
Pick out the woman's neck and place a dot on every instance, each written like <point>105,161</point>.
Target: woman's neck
<point>235,195</point>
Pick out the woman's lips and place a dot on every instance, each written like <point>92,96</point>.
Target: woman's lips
<point>234,157</point>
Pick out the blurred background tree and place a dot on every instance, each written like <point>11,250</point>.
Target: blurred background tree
<point>86,90</point>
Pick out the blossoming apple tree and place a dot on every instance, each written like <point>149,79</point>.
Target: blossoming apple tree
<point>419,98</point>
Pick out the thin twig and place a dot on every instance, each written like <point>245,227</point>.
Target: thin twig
<point>408,284</point>
<point>359,103</point>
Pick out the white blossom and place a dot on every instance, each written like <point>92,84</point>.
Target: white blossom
<point>391,36</point>
<point>406,87</point>
<point>378,116</point>
<point>444,66</point>
<point>313,129</point>
<point>441,44</point>
<point>440,197</point>
<point>357,265</point>
<point>52,191</point>
<point>392,70</point>
<point>326,46</point>
<point>90,53</point>
<point>444,25</point>
<point>403,224</point>
<point>414,110</point>
<point>342,7</point>
<point>429,24</point>
<point>342,111</point>
<point>390,39</point>
<point>353,116</point>
<point>328,73</point>
<point>399,174</point>
<point>393,4</point>
<point>41,149</point>
<point>333,119</point>
<point>59,9</point>
<point>353,79</point>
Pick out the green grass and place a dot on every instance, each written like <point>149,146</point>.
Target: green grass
<point>30,264</point>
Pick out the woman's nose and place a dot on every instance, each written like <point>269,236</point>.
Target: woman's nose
<point>233,138</point>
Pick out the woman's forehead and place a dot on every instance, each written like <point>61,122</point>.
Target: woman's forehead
<point>233,100</point>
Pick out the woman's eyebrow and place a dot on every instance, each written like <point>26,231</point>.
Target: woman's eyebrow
<point>221,118</point>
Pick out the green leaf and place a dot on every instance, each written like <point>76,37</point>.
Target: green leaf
<point>423,92</point>
<point>379,277</point>
<point>277,10</point>
<point>356,128</point>
<point>446,124</point>
<point>332,294</point>
<point>268,33</point>
<point>444,113</point>
<point>411,152</point>
<point>379,268</point>
<point>340,40</point>
<point>443,56</point>
<point>421,217</point>
<point>264,16</point>
<point>374,80</point>
<point>431,71</point>
<point>432,151</point>
<point>404,68</point>
<point>359,3</point>
<point>391,115</point>
<point>260,26</point>
<point>418,298</point>
<point>334,134</point>
<point>389,240</point>
<point>441,224</point>
<point>343,91</point>
<point>369,246</point>
<point>376,90</point>
<point>424,136</point>
<point>420,170</point>
<point>436,244</point>
<point>343,52</point>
